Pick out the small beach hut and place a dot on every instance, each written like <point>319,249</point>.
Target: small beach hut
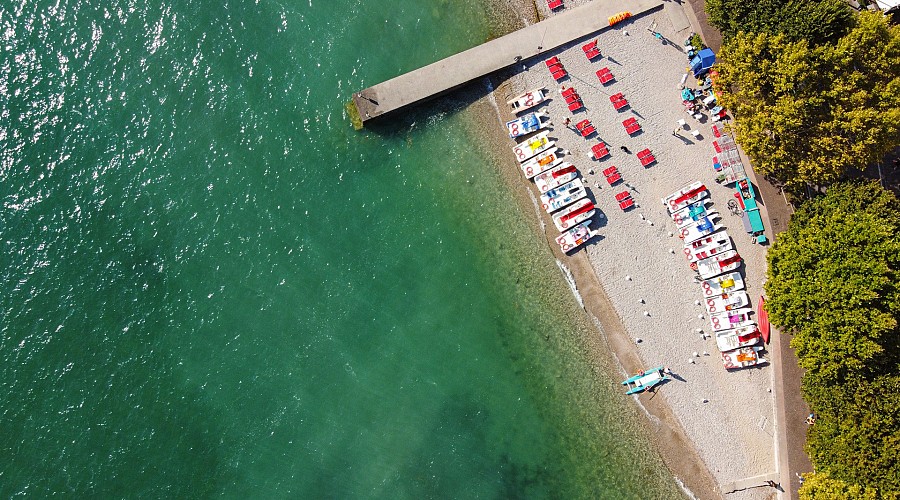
<point>701,63</point>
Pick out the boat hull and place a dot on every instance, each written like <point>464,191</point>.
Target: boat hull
<point>726,320</point>
<point>736,338</point>
<point>527,100</point>
<point>575,237</point>
<point>718,264</point>
<point>723,284</point>
<point>742,358</point>
<point>707,247</point>
<point>541,163</point>
<point>727,302</point>
<point>573,215</point>
<point>555,177</point>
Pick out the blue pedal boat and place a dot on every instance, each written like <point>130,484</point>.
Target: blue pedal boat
<point>645,380</point>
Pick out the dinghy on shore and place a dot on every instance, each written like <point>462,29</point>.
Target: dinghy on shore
<point>726,320</point>
<point>555,177</point>
<point>541,162</point>
<point>692,193</point>
<point>577,213</point>
<point>736,338</point>
<point>707,247</point>
<point>743,358</point>
<point>561,196</point>
<point>718,264</point>
<point>527,124</point>
<point>698,229</point>
<point>533,146</point>
<point>527,100</point>
<point>727,302</point>
<point>575,237</point>
<point>723,284</point>
<point>645,380</point>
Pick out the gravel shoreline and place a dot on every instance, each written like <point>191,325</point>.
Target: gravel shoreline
<point>711,427</point>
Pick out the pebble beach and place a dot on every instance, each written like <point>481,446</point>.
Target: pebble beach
<point>713,427</point>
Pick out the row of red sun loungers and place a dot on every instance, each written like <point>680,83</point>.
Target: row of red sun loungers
<point>586,128</point>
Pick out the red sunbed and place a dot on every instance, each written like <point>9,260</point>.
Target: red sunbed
<point>614,178</point>
<point>575,106</point>
<point>621,103</point>
<point>625,205</point>
<point>600,150</point>
<point>605,76</point>
<point>624,195</point>
<point>554,4</point>
<point>609,171</point>
<point>553,61</point>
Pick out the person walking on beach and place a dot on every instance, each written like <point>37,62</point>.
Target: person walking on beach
<point>625,149</point>
<point>568,122</point>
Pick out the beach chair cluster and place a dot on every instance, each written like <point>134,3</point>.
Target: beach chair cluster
<point>590,50</point>
<point>618,101</point>
<point>600,150</point>
<point>554,4</point>
<point>573,100</point>
<point>625,200</point>
<point>711,254</point>
<point>646,157</point>
<point>556,68</point>
<point>631,125</point>
<point>605,75</point>
<point>612,175</point>
<point>585,128</point>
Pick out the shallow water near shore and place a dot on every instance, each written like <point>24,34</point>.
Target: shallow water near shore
<point>215,287</point>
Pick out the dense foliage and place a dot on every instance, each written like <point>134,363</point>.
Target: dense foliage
<point>807,115</point>
<point>834,283</point>
<point>816,21</point>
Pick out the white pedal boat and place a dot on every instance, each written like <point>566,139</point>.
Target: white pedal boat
<point>698,229</point>
<point>527,100</point>
<point>705,244</point>
<point>711,267</point>
<point>692,193</point>
<point>729,340</point>
<point>726,320</point>
<point>727,302</point>
<point>527,124</point>
<point>575,237</point>
<point>555,177</point>
<point>691,214</point>
<point>723,284</point>
<point>540,163</point>
<point>743,358</point>
<point>533,146</point>
<point>709,250</point>
<point>574,214</point>
<point>561,196</point>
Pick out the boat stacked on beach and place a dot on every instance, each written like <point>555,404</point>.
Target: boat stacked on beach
<point>563,195</point>
<point>711,254</point>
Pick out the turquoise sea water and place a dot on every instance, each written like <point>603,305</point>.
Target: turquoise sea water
<point>213,286</point>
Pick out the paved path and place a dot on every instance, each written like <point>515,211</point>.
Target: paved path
<point>449,73</point>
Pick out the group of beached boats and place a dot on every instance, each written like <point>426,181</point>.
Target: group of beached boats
<point>711,254</point>
<point>563,194</point>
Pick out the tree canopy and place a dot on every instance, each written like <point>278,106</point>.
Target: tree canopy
<point>834,283</point>
<point>816,22</point>
<point>807,115</point>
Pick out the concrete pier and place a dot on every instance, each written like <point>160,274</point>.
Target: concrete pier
<point>452,72</point>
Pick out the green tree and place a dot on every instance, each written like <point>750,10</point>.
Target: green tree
<point>834,283</point>
<point>833,280</point>
<point>807,115</point>
<point>817,22</point>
